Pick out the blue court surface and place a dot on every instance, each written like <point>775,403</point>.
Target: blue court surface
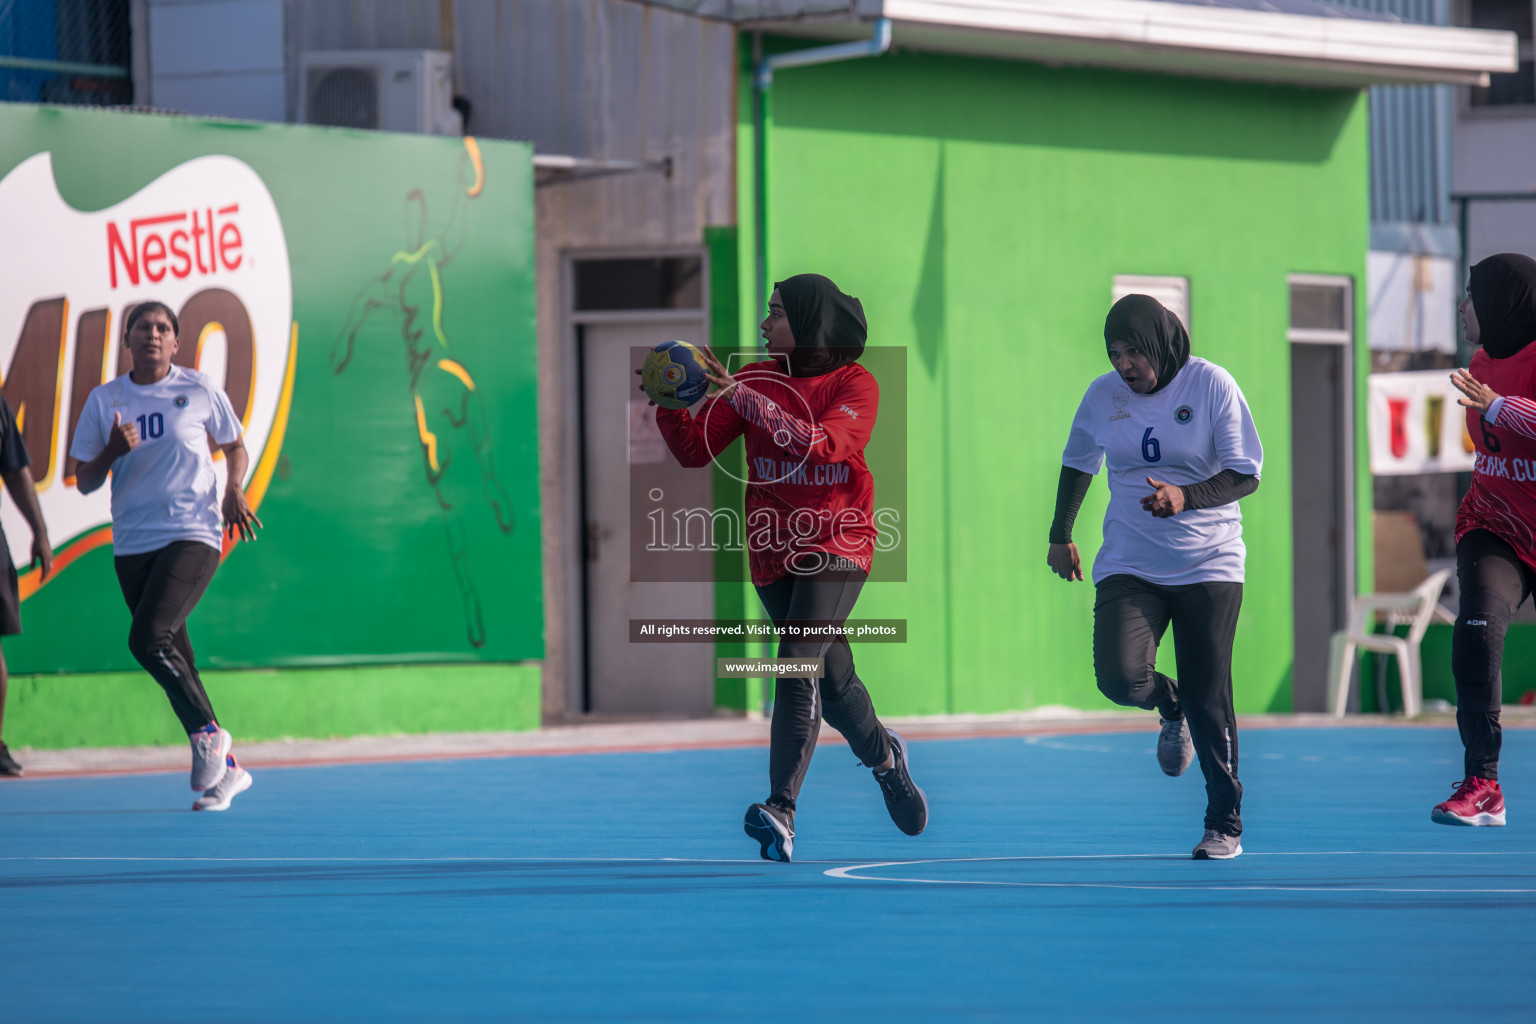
<point>1053,883</point>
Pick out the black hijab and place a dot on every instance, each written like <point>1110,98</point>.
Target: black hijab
<point>1504,299</point>
<point>1143,321</point>
<point>828,326</point>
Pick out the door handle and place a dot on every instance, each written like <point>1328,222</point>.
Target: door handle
<point>595,535</point>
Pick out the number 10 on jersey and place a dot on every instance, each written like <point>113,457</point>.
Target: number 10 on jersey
<point>153,425</point>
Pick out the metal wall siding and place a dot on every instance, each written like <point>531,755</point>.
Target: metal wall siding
<point>605,78</point>
<point>1408,177</point>
<point>1410,133</point>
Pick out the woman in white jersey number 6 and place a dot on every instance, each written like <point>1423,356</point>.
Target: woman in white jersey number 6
<point>152,428</point>
<point>1182,449</point>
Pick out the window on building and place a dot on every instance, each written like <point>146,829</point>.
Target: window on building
<point>1172,292</point>
<point>674,282</point>
<point>1517,88</point>
<point>1321,310</point>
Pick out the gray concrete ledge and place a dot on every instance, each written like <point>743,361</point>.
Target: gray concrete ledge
<point>594,737</point>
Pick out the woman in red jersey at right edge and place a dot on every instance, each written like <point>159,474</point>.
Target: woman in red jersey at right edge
<point>1495,542</point>
<point>805,416</point>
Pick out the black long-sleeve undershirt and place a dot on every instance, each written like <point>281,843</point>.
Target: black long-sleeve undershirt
<point>1222,489</point>
<point>1071,489</point>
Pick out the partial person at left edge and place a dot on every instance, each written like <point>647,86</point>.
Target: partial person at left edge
<point>14,470</point>
<point>153,429</point>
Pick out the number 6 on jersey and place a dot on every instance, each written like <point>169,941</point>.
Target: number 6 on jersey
<point>1150,449</point>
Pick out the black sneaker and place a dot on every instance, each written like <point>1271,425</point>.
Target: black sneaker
<point>8,765</point>
<point>908,805</point>
<point>1175,748</point>
<point>774,830</point>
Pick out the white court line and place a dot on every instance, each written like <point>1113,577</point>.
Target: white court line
<point>1185,856</point>
<point>844,873</point>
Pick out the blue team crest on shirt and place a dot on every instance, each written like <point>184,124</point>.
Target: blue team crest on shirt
<point>1184,414</point>
<point>181,402</point>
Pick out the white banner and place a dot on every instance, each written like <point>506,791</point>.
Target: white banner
<point>1413,302</point>
<point>1416,425</point>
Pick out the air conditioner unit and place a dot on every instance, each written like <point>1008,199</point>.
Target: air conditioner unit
<point>390,90</point>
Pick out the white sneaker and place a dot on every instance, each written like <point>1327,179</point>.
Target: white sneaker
<point>236,781</point>
<point>209,749</point>
<point>1175,749</point>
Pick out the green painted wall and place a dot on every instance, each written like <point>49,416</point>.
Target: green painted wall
<point>980,209</point>
<point>1435,660</point>
<point>117,709</point>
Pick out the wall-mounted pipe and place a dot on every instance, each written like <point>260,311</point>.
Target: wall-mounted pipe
<point>762,81</point>
<point>878,42</point>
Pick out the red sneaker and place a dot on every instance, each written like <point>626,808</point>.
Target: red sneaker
<point>1477,802</point>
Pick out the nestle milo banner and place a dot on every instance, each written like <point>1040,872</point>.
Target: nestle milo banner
<point>367,302</point>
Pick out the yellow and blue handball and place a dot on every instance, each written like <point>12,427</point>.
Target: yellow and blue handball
<point>673,375</point>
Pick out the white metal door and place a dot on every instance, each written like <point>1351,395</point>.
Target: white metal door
<point>624,460</point>
<point>1322,475</point>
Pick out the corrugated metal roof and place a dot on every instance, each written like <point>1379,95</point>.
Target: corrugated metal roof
<point>1308,8</point>
<point>760,10</point>
<point>1417,12</point>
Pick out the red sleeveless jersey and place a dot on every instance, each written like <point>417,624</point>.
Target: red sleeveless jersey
<point>1502,499</point>
<point>809,489</point>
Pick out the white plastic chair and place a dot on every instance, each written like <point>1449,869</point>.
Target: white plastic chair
<point>1416,609</point>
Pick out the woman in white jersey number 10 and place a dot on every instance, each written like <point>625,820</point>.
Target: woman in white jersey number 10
<point>1182,449</point>
<point>152,429</point>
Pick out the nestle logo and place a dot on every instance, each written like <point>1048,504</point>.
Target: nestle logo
<point>201,242</point>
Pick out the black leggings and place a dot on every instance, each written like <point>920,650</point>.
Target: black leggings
<point>161,588</point>
<point>799,704</point>
<point>1493,583</point>
<point>1130,616</point>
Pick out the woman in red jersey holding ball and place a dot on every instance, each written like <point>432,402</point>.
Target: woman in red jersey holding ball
<point>805,415</point>
<point>1496,524</point>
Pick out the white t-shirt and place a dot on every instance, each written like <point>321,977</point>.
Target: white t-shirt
<point>165,489</point>
<point>1188,432</point>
